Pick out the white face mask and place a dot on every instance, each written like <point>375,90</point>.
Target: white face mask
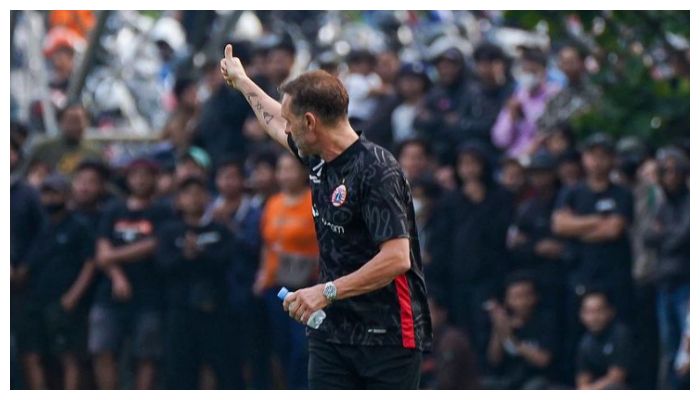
<point>528,81</point>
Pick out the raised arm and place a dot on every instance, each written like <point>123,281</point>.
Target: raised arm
<point>267,109</point>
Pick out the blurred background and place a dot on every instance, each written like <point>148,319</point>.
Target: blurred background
<point>152,220</point>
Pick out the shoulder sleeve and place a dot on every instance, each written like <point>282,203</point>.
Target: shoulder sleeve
<point>564,198</point>
<point>104,228</point>
<point>623,351</point>
<point>295,151</point>
<point>385,204</point>
<point>624,204</point>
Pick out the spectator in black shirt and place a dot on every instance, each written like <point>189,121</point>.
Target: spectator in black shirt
<point>89,191</point>
<point>193,254</point>
<point>129,294</point>
<point>236,209</point>
<point>594,215</point>
<point>605,353</point>
<point>532,244</point>
<point>26,220</point>
<point>670,237</point>
<point>523,339</point>
<point>437,118</point>
<point>469,257</point>
<point>60,270</point>
<point>485,96</point>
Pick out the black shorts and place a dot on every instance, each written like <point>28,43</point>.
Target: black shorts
<point>341,366</point>
<point>49,329</point>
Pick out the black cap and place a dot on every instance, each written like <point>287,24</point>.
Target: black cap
<point>55,183</point>
<point>599,140</point>
<point>542,161</point>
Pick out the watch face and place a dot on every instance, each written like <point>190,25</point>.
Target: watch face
<point>329,291</point>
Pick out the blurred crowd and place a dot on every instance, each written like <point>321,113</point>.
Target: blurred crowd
<point>553,258</point>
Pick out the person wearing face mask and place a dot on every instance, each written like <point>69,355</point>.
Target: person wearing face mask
<point>60,270</point>
<point>63,153</point>
<point>515,127</point>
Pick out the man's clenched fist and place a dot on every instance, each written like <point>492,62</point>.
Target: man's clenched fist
<point>231,68</point>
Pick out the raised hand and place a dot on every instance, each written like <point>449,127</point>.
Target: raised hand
<point>231,68</point>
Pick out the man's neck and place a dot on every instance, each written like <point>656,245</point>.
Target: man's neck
<point>192,219</point>
<point>138,203</point>
<point>337,141</point>
<point>598,183</point>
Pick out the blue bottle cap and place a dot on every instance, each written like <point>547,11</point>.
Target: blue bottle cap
<point>283,293</point>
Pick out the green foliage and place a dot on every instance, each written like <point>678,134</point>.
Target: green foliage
<point>628,46</point>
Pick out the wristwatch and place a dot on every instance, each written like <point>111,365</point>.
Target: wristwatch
<point>330,291</point>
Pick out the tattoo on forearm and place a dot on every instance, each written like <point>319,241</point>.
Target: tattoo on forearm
<point>267,117</point>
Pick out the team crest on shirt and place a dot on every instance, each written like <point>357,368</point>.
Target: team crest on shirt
<point>339,195</point>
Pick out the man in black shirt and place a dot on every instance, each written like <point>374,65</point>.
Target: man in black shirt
<point>26,220</point>
<point>129,294</point>
<point>374,293</point>
<point>594,215</point>
<point>193,254</point>
<point>60,270</point>
<point>605,353</point>
<point>522,343</point>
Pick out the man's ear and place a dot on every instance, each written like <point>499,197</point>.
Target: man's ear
<point>310,120</point>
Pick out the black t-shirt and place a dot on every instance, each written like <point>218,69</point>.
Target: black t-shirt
<point>198,283</point>
<point>611,348</point>
<point>26,219</point>
<point>122,226</point>
<point>538,331</point>
<point>360,200</point>
<point>55,262</point>
<point>600,263</point>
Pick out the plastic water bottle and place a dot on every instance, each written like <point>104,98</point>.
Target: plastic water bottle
<point>315,320</point>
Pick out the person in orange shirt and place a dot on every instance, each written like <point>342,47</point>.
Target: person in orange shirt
<point>290,259</point>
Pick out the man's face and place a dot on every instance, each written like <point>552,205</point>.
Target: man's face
<point>229,181</point>
<point>410,86</point>
<point>469,167</point>
<point>490,72</point>
<point>571,64</point>
<point>262,180</point>
<point>671,179</point>
<point>141,182</point>
<point>298,127</point>
<point>387,66</point>
<point>513,176</point>
<point>448,71</point>
<point>73,124</point>
<point>557,143</point>
<point>597,161</point>
<point>87,187</point>
<point>62,60</point>
<point>413,161</point>
<point>569,172</point>
<point>521,298</point>
<point>193,200</point>
<point>596,313</point>
<point>290,174</point>
<point>279,64</point>
<point>541,179</point>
